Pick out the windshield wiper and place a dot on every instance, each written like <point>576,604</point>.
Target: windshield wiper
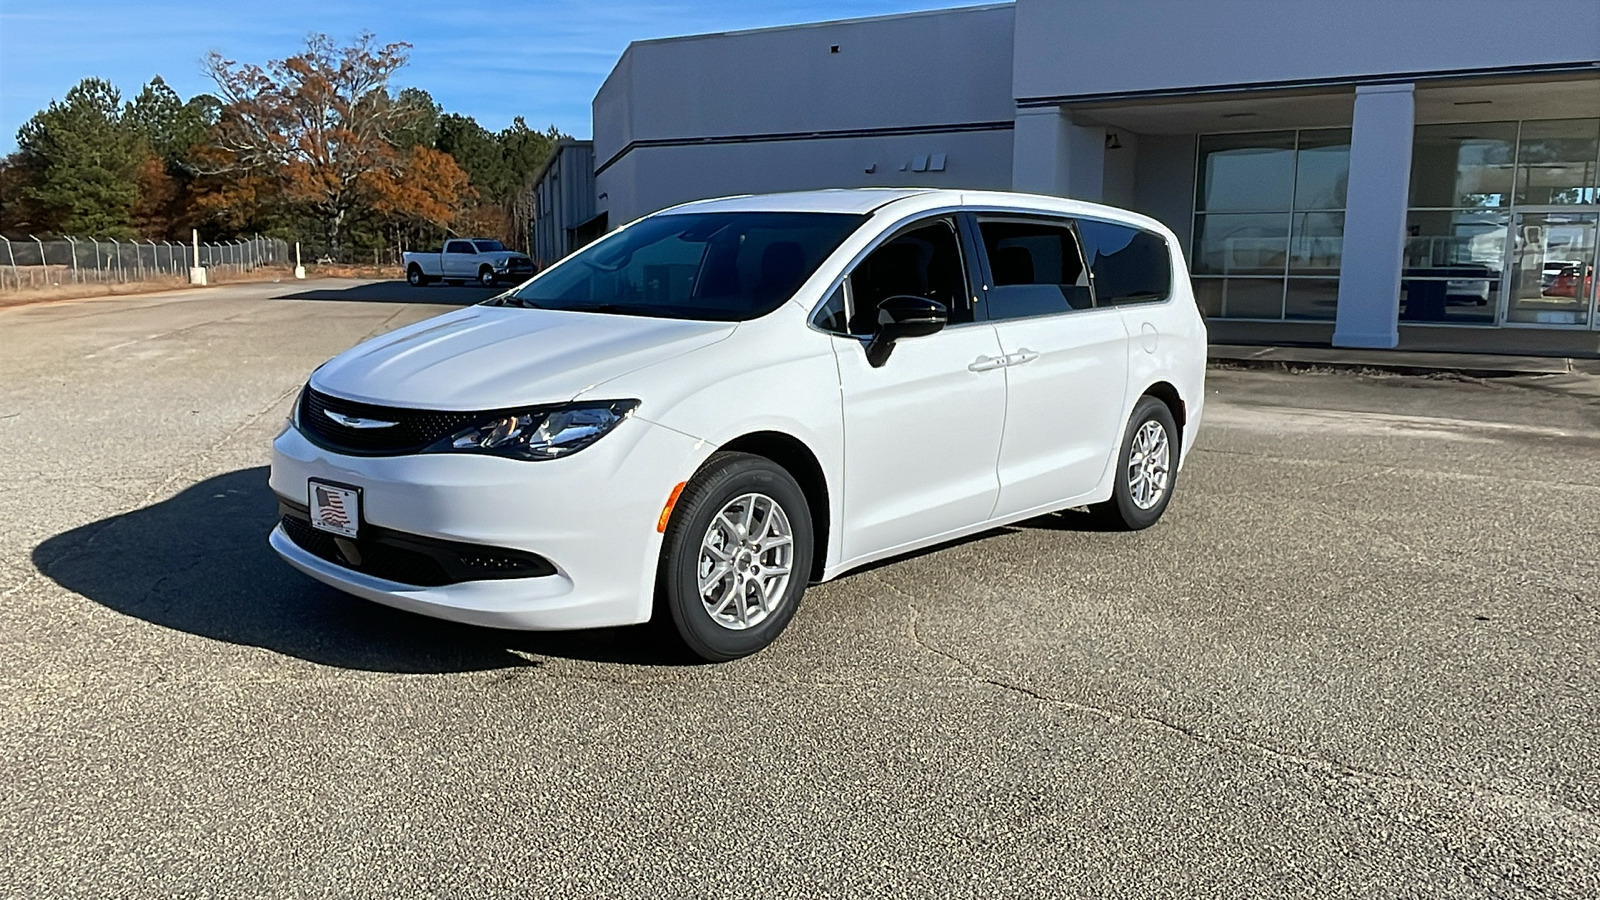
<point>510,299</point>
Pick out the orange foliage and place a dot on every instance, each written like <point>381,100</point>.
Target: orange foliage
<point>156,208</point>
<point>426,187</point>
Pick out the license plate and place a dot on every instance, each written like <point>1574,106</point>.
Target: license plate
<point>335,509</point>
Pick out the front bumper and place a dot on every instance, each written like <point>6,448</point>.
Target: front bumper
<point>592,516</point>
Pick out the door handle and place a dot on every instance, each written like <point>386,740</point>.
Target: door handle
<point>1021,356</point>
<point>986,363</point>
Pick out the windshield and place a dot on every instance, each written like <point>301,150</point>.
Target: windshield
<point>489,246</point>
<point>725,267</point>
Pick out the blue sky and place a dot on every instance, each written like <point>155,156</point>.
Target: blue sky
<point>541,59</point>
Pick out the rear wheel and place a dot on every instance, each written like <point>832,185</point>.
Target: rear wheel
<point>1147,469</point>
<point>415,277</point>
<point>736,557</point>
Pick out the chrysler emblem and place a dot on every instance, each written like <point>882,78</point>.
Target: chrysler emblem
<point>355,422</point>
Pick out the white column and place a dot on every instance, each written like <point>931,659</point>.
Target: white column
<point>1375,217</point>
<point>197,273</point>
<point>1052,155</point>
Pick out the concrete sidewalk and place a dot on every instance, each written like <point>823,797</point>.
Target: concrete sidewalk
<point>1405,362</point>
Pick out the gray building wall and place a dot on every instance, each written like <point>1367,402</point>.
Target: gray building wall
<point>790,113</point>
<point>563,199</point>
<point>1164,182</point>
<point>1119,47</point>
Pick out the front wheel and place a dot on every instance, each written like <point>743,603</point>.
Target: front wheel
<point>736,557</point>
<point>1147,469</point>
<point>486,277</point>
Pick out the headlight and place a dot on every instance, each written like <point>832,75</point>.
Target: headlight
<point>541,433</point>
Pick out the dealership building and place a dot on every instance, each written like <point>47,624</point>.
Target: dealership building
<point>1362,173</point>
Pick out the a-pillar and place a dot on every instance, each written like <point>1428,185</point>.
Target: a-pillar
<point>1053,155</point>
<point>1375,216</point>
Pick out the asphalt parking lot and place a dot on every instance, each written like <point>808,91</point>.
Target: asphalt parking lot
<point>1360,657</point>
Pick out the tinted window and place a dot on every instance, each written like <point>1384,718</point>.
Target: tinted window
<point>923,262</point>
<point>718,266</point>
<point>458,247</point>
<point>1129,265</point>
<point>489,246</point>
<point>830,316</point>
<point>1036,267</point>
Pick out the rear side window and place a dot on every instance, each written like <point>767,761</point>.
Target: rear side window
<point>1129,265</point>
<point>458,247</point>
<point>1036,267</point>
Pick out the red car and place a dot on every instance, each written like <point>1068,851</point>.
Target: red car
<point>1569,283</point>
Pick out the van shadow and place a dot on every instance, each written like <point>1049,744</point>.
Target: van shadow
<point>399,292</point>
<point>199,563</point>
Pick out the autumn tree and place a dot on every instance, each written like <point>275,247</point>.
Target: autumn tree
<point>172,134</point>
<point>322,125</point>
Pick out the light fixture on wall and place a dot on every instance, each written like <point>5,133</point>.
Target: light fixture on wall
<point>1113,141</point>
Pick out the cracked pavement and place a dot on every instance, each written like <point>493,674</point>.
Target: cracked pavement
<point>1358,657</point>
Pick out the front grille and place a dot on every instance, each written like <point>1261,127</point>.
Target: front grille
<point>414,429</point>
<point>519,264</point>
<point>409,558</point>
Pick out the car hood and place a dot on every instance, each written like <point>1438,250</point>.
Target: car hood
<point>486,357</point>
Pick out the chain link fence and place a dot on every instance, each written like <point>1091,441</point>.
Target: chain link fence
<point>36,263</point>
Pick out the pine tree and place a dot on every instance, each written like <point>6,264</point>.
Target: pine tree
<point>83,162</point>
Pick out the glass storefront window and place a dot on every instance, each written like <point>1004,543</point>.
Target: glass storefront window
<point>1322,169</point>
<point>1246,172</point>
<point>1241,243</point>
<point>1447,237</point>
<point>1269,223</point>
<point>1316,244</point>
<point>1556,162</point>
<point>1452,265</point>
<point>1311,298</point>
<point>1503,223</point>
<point>1240,298</point>
<point>1455,166</point>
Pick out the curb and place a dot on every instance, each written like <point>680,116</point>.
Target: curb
<point>1399,362</point>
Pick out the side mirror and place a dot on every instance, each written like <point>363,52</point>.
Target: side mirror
<point>904,316</point>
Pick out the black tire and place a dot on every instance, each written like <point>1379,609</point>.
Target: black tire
<point>725,478</point>
<point>415,277</point>
<point>1122,512</point>
<point>486,277</point>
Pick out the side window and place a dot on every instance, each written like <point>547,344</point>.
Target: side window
<point>1036,267</point>
<point>458,247</point>
<point>922,262</point>
<point>831,316</point>
<point>1129,265</point>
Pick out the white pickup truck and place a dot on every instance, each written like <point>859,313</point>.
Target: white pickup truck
<point>468,259</point>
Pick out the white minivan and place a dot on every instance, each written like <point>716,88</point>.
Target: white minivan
<point>718,404</point>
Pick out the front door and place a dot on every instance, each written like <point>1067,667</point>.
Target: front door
<point>1551,264</point>
<point>921,432</point>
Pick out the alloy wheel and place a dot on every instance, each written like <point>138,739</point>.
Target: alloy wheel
<point>1149,465</point>
<point>745,562</point>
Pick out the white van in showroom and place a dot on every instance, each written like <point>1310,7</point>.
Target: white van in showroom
<point>718,404</point>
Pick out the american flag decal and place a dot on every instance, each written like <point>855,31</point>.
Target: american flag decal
<point>330,508</point>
